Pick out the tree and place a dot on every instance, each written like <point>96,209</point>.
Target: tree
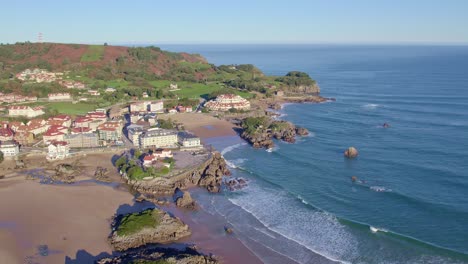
<point>105,43</point>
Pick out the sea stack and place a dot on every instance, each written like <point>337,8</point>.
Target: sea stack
<point>351,152</point>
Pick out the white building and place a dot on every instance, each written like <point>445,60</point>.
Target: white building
<point>9,148</point>
<point>158,138</point>
<point>157,107</point>
<point>110,90</point>
<point>225,102</point>
<point>59,96</point>
<point>58,150</point>
<point>190,142</point>
<point>138,107</point>
<point>134,132</point>
<point>27,111</point>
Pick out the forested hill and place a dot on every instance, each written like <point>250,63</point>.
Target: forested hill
<point>100,61</point>
<point>97,65</point>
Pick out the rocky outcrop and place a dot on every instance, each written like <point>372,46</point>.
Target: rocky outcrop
<point>236,184</point>
<point>208,175</point>
<point>186,201</point>
<point>161,255</point>
<point>281,130</point>
<point>301,131</point>
<point>259,139</point>
<point>167,229</point>
<point>351,152</point>
<point>101,174</point>
<point>64,173</point>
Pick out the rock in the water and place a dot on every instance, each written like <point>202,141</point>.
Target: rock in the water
<point>301,131</point>
<point>186,201</point>
<point>228,230</point>
<point>101,174</point>
<point>351,152</point>
<point>386,125</point>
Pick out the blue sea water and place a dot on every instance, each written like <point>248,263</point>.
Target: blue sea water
<point>413,176</point>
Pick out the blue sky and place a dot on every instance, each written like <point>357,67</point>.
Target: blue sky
<point>236,21</point>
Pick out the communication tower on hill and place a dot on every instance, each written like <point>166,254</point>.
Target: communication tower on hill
<point>39,37</point>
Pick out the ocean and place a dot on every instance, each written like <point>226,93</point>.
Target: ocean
<point>410,203</point>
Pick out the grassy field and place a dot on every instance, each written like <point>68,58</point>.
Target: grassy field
<point>70,108</point>
<point>94,53</point>
<point>196,90</point>
<point>135,222</point>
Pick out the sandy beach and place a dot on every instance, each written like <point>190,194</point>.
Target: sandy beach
<point>74,220</point>
<point>203,125</point>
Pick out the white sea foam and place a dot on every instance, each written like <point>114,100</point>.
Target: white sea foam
<point>318,231</point>
<point>379,189</point>
<point>231,148</point>
<point>371,106</point>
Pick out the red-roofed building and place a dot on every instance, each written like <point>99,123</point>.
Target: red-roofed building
<point>6,134</point>
<point>110,131</point>
<point>24,138</point>
<point>81,130</point>
<point>60,120</point>
<point>51,136</point>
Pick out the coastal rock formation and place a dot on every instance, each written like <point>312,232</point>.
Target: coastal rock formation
<point>101,174</point>
<point>64,173</point>
<point>351,152</point>
<point>300,131</point>
<point>167,229</point>
<point>211,176</point>
<point>186,201</point>
<point>259,140</point>
<point>259,131</point>
<point>161,255</point>
<point>236,184</point>
<point>208,175</point>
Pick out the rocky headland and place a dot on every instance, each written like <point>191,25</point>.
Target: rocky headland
<point>260,131</point>
<point>208,175</point>
<point>147,227</point>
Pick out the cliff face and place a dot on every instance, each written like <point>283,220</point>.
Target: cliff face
<point>168,229</point>
<point>208,175</point>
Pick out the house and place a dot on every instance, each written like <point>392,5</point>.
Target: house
<point>51,136</point>
<point>9,148</point>
<point>134,132</point>
<point>24,138</point>
<point>6,134</point>
<point>110,90</point>
<point>59,96</point>
<point>157,106</point>
<point>82,140</point>
<point>158,138</point>
<point>279,93</point>
<point>36,126</point>
<point>225,102</point>
<point>144,95</point>
<point>173,86</point>
<point>60,120</point>
<point>110,131</point>
<point>81,130</point>
<point>57,150</point>
<point>184,109</point>
<point>138,107</point>
<point>163,153</point>
<point>189,141</point>
<point>94,92</point>
<point>149,159</point>
<point>172,111</point>
<point>27,111</point>
<point>82,121</point>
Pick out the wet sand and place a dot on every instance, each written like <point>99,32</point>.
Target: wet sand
<point>74,220</point>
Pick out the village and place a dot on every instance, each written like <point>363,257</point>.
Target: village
<point>134,127</point>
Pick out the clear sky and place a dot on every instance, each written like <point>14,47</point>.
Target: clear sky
<point>235,21</point>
